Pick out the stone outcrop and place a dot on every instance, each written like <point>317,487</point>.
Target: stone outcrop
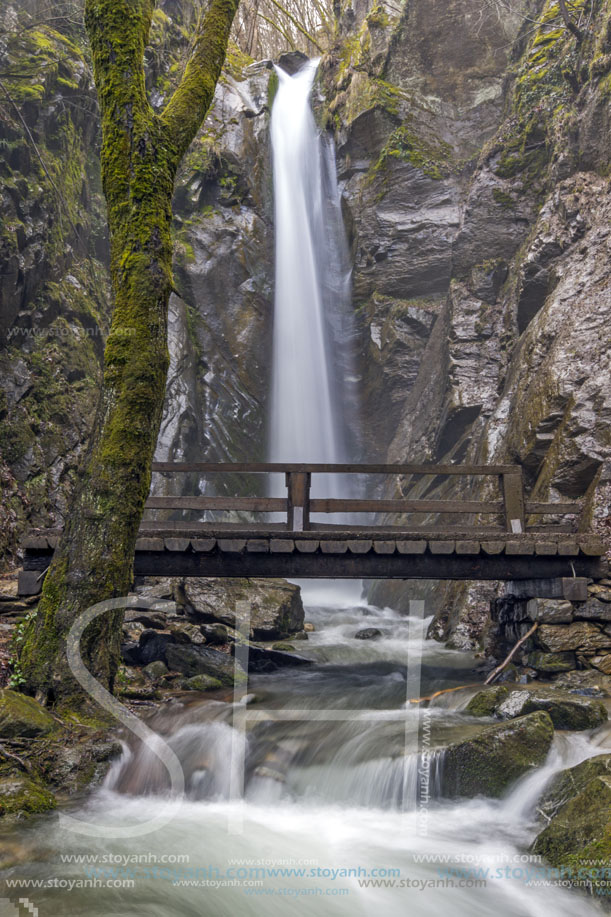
<point>494,759</point>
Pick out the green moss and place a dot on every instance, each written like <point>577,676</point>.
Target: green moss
<point>272,88</point>
<point>503,199</point>
<point>21,797</point>
<point>431,158</point>
<point>485,702</point>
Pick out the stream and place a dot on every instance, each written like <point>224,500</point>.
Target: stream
<point>326,818</point>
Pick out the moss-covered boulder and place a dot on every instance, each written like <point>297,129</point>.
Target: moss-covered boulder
<point>21,797</point>
<point>552,663</point>
<point>22,716</point>
<point>491,761</point>
<point>567,711</point>
<point>202,683</point>
<point>579,833</point>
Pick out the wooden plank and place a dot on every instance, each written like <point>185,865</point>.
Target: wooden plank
<point>360,547</point>
<point>203,545</point>
<point>384,547</point>
<point>467,547</point>
<point>257,545</point>
<point>552,508</point>
<point>282,545</point>
<point>149,544</point>
<point>568,548</point>
<point>411,547</point>
<point>279,467</point>
<point>333,547</point>
<point>545,548</point>
<point>442,547</point>
<point>513,498</point>
<point>366,566</point>
<point>403,506</point>
<point>176,544</point>
<point>252,504</point>
<point>513,548</point>
<point>306,547</point>
<point>231,545</point>
<point>493,547</point>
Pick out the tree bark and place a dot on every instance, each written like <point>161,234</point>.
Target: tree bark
<point>141,152</point>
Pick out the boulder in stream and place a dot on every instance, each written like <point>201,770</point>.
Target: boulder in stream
<point>577,806</point>
<point>490,762</point>
<point>368,633</point>
<point>567,711</point>
<point>199,660</point>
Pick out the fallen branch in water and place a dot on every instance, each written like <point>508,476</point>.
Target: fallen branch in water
<point>419,700</point>
<point>496,672</point>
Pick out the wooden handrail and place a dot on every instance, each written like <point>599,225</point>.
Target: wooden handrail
<point>298,505</point>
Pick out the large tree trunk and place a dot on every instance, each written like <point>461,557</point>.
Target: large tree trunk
<point>141,152</point>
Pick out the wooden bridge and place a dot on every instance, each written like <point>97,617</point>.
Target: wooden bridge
<point>507,538</point>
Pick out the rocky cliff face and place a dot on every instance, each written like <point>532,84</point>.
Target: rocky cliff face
<point>473,157</point>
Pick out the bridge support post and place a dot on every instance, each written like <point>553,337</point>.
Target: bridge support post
<point>298,514</point>
<point>513,498</point>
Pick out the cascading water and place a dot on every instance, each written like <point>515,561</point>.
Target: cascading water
<point>311,338</point>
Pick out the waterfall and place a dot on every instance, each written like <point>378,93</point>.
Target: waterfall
<point>311,321</point>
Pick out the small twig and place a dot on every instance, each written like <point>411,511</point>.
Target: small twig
<point>11,757</point>
<point>496,672</point>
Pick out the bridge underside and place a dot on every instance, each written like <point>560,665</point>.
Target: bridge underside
<point>346,554</point>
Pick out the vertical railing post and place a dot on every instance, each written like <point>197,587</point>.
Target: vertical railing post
<point>513,498</point>
<point>298,510</point>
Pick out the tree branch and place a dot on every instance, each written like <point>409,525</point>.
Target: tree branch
<point>190,102</point>
<point>566,18</point>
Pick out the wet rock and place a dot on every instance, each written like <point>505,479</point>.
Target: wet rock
<point>150,619</point>
<point>199,660</point>
<point>566,711</point>
<point>202,683</point>
<point>308,627</point>
<point>156,670</point>
<point>588,682</point>
<point>580,635</point>
<point>153,646</point>
<point>22,716</point>
<point>550,611</point>
<point>368,633</point>
<point>268,660</point>
<point>284,647</point>
<point>215,634</point>
<point>602,663</point>
<point>489,763</point>
<point>579,833</point>
<point>130,653</point>
<point>21,797</point>
<point>275,606</point>
<point>552,663</point>
<point>595,609</point>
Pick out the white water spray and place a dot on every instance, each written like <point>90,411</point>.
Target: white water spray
<point>305,427</point>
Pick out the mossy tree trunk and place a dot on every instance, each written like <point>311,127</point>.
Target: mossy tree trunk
<point>141,152</point>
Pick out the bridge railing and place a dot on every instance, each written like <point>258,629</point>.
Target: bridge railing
<point>298,505</point>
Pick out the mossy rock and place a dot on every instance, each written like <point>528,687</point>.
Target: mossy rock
<point>484,703</point>
<point>552,663</point>
<point>21,797</point>
<point>569,783</point>
<point>490,762</point>
<point>202,683</point>
<point>580,833</point>
<point>284,647</point>
<point>22,716</point>
<point>567,711</point>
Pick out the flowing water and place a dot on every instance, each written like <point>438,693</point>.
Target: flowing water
<point>326,763</point>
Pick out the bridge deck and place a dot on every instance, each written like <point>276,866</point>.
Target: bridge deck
<point>364,553</point>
